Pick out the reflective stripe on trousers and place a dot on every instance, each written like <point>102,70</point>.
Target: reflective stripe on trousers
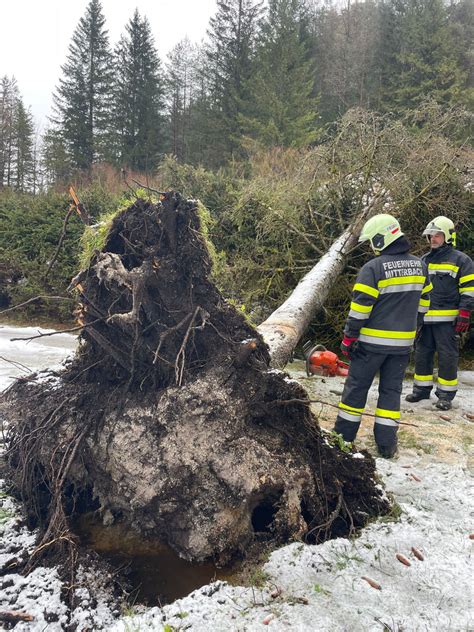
<point>363,368</point>
<point>438,337</point>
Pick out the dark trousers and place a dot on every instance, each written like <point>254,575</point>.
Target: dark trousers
<point>442,338</point>
<point>363,368</point>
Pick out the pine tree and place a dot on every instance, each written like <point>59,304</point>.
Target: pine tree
<point>138,98</point>
<point>285,110</point>
<point>82,99</point>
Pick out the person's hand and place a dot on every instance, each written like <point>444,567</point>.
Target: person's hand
<point>461,324</point>
<point>346,345</point>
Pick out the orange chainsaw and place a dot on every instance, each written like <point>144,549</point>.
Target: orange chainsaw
<point>320,361</point>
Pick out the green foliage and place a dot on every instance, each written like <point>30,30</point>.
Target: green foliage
<point>337,439</point>
<point>137,131</point>
<point>344,559</point>
<point>17,166</point>
<point>269,219</point>
<point>283,109</point>
<point>82,97</point>
<point>30,229</point>
<point>274,216</point>
<point>258,577</point>
<point>230,71</point>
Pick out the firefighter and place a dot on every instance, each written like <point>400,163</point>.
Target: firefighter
<point>452,275</point>
<point>389,299</point>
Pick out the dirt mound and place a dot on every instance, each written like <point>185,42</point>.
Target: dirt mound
<point>169,419</point>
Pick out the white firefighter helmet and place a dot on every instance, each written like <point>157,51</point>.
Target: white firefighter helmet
<point>443,225</point>
<point>381,230</point>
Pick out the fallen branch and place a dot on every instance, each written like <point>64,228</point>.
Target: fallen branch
<point>61,331</point>
<point>60,242</point>
<point>37,298</point>
<point>144,186</point>
<point>284,402</point>
<point>17,365</point>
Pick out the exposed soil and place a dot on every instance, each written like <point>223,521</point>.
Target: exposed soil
<point>169,421</point>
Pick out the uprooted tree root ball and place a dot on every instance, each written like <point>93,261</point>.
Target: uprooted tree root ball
<point>169,419</point>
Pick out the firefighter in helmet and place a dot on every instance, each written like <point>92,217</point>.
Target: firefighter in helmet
<point>389,299</point>
<point>452,275</point>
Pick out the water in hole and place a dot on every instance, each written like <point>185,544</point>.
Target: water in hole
<point>156,572</point>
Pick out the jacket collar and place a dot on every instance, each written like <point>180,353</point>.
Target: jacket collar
<point>439,253</point>
<point>398,247</point>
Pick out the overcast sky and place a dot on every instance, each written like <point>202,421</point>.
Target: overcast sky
<point>35,36</point>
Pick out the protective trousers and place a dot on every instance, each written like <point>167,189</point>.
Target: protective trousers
<point>363,368</point>
<point>442,338</point>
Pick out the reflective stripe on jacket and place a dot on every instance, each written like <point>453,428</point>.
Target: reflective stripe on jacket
<point>452,275</point>
<point>389,293</point>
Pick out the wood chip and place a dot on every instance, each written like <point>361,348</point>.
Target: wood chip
<point>401,558</point>
<point>372,583</point>
<point>471,417</point>
<point>418,554</point>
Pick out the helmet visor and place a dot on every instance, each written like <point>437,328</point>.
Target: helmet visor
<point>432,231</point>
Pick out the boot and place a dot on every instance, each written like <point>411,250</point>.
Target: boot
<point>416,397</point>
<point>443,404</point>
<point>387,451</point>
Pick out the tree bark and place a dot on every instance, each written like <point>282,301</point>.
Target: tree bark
<point>285,326</point>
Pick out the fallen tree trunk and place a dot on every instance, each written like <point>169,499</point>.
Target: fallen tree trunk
<point>284,327</point>
<point>169,419</point>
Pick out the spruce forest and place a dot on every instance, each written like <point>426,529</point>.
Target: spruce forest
<point>284,122</point>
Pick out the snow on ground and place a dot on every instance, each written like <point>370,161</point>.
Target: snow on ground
<point>315,588</point>
<point>20,357</point>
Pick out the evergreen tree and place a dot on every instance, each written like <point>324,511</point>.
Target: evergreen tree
<point>55,158</point>
<point>82,99</point>
<point>138,98</point>
<point>229,67</point>
<point>24,132</point>
<point>427,62</point>
<point>9,96</point>
<point>282,89</point>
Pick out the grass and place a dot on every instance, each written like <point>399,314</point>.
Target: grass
<point>393,515</point>
<point>320,590</point>
<point>409,439</point>
<point>345,559</point>
<point>258,577</point>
